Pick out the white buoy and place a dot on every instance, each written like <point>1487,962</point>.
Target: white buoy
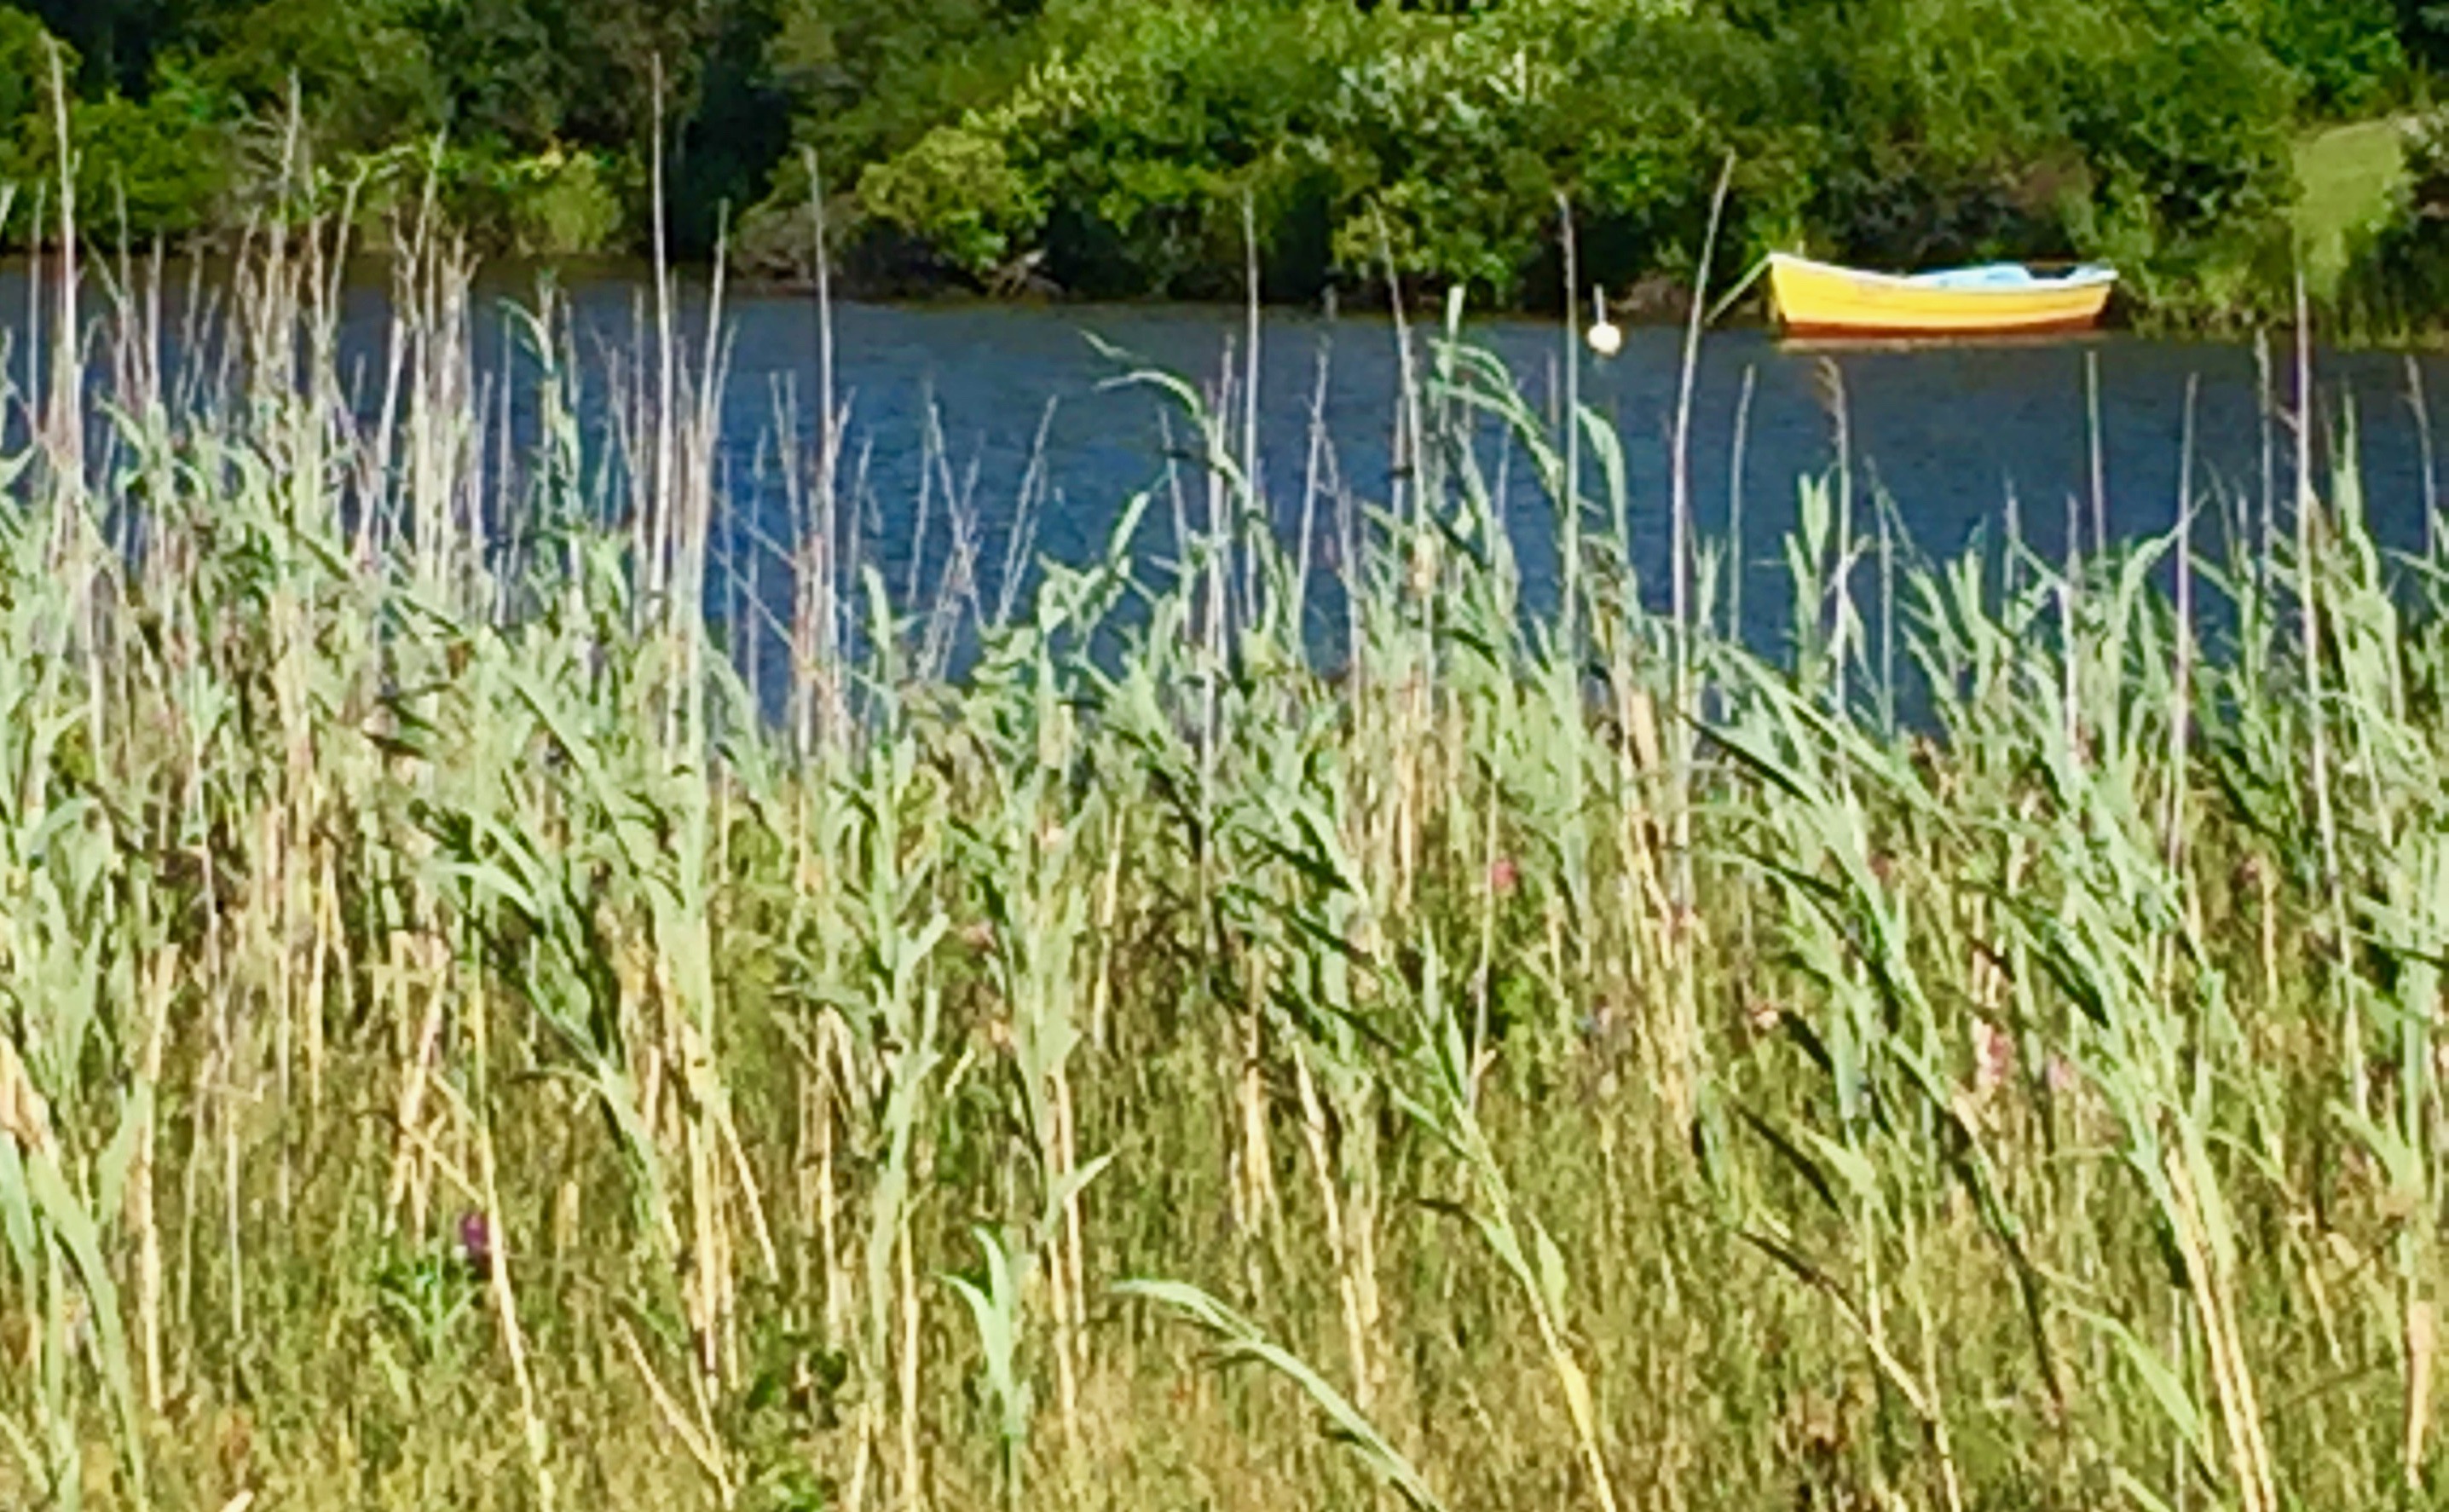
<point>1604,336</point>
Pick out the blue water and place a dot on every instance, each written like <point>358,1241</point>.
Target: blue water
<point>1013,412</point>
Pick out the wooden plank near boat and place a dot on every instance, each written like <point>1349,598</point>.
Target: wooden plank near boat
<point>1823,301</point>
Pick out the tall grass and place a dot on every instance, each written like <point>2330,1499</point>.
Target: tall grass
<point>456,1052</point>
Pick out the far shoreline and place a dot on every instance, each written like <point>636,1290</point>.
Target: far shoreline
<point>696,275</point>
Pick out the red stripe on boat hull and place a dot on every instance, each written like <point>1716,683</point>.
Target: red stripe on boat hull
<point>1813,331</point>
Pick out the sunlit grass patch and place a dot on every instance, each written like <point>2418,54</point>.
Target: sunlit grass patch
<point>2346,179</point>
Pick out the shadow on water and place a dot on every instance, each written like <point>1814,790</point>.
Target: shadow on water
<point>975,429</point>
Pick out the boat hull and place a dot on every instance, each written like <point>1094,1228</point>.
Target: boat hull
<point>1819,301</point>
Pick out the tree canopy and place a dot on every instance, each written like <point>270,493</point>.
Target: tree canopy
<point>1118,147</point>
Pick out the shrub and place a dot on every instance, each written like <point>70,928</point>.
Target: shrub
<point>569,203</point>
<point>957,190</point>
<point>155,168</point>
<point>1438,144</point>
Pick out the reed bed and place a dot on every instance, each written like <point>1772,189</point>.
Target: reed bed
<point>462,1047</point>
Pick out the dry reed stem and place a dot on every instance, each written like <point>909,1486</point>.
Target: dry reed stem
<point>702,1446</point>
<point>1314,1133</point>
<point>2231,1379</point>
<point>2422,1344</point>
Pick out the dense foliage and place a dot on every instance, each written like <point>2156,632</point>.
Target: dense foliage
<point>1121,147</point>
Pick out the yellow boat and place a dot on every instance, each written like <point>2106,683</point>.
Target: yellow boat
<point>1820,300</point>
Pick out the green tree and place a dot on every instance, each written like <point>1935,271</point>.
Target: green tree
<point>1114,144</point>
<point>365,71</point>
<point>26,67</point>
<point>2424,32</point>
<point>2346,54</point>
<point>115,39</point>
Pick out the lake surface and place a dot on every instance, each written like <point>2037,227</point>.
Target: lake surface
<point>1012,412</point>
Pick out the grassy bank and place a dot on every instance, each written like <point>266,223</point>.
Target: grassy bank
<point>454,1054</point>
<point>2348,182</point>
